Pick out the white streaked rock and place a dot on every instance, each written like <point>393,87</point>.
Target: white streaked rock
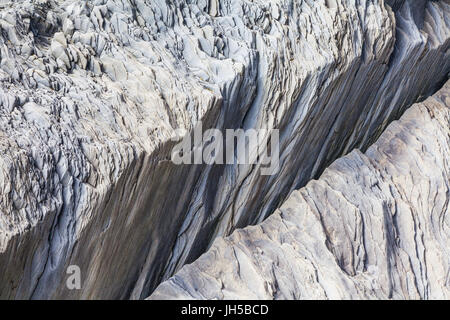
<point>92,91</point>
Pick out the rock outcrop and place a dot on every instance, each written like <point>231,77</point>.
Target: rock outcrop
<point>374,226</point>
<point>92,93</point>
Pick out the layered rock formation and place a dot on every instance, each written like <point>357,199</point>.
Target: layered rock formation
<point>92,93</point>
<point>374,226</point>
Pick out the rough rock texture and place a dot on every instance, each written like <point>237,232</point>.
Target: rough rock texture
<point>92,91</point>
<point>375,225</point>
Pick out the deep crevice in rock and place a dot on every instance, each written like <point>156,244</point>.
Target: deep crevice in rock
<point>327,98</point>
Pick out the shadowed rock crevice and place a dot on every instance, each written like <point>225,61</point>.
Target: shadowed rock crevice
<point>374,226</point>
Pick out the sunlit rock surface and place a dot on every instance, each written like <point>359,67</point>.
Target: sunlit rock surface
<point>92,91</point>
<point>375,225</point>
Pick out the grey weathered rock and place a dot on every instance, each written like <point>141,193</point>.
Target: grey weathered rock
<point>92,91</point>
<point>375,225</point>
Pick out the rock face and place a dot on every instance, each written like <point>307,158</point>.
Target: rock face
<point>92,92</point>
<point>375,225</point>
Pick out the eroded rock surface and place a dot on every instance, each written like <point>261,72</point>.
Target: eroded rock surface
<point>375,225</point>
<point>92,91</point>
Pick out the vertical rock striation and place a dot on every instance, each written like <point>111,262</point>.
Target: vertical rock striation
<point>92,92</point>
<point>374,226</point>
